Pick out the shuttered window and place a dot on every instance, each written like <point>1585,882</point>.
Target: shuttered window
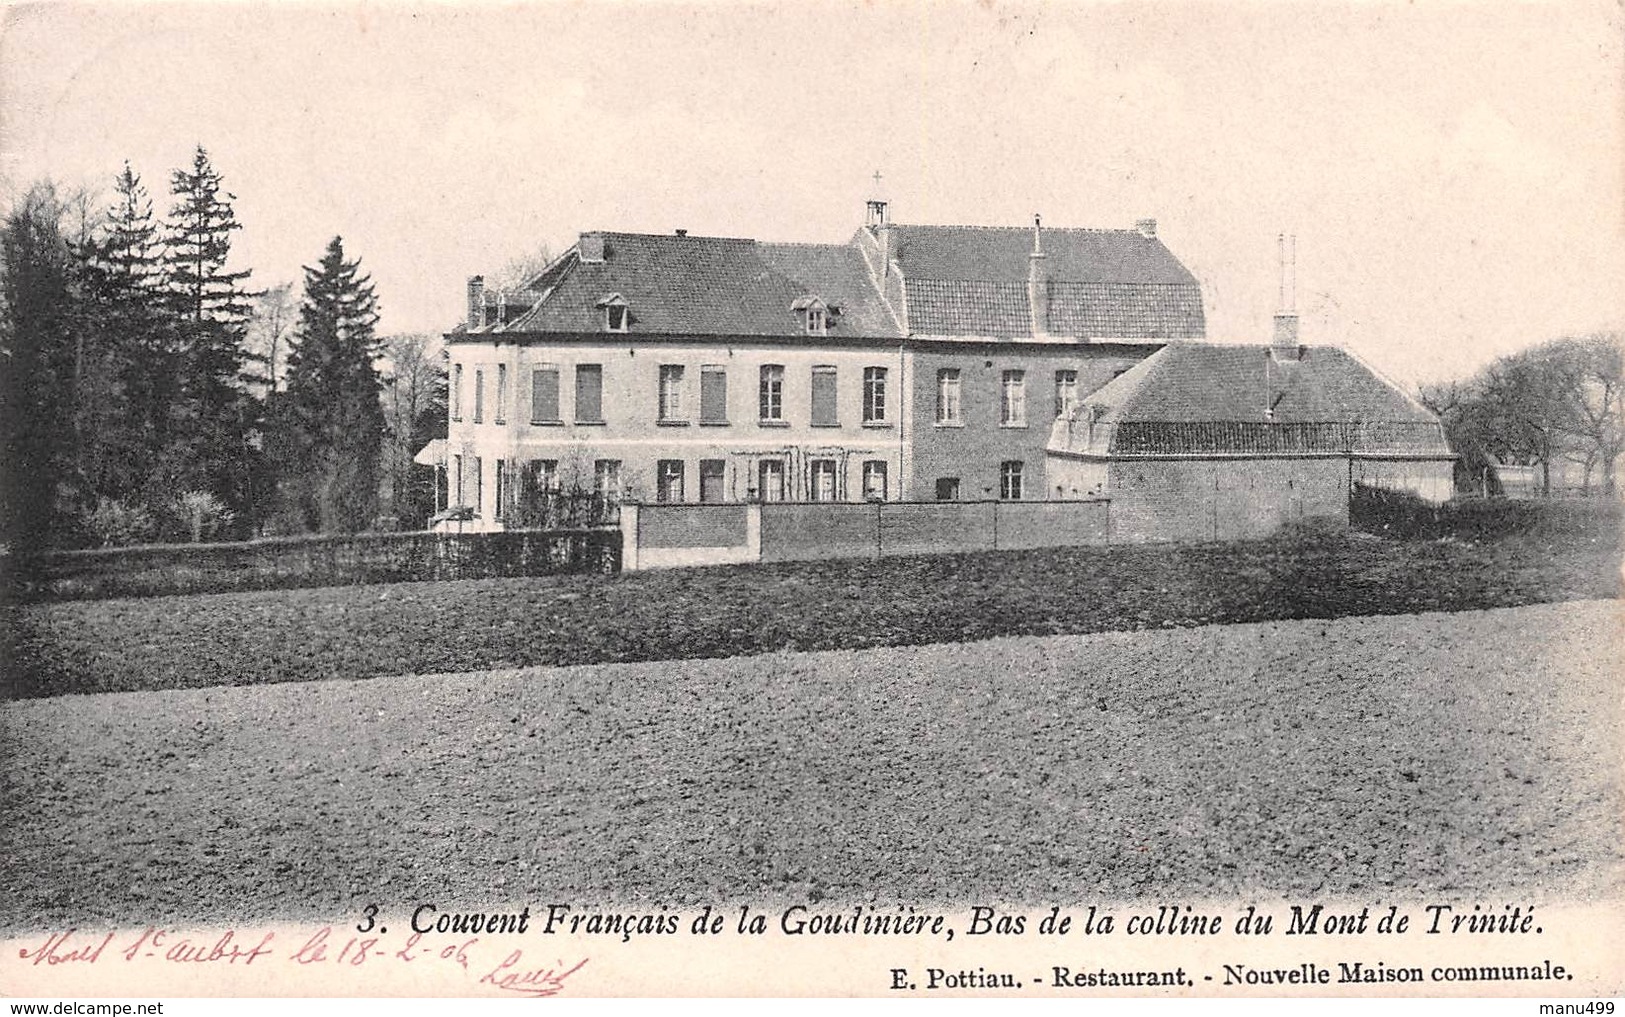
<point>589,393</point>
<point>823,397</point>
<point>544,395</point>
<point>713,395</point>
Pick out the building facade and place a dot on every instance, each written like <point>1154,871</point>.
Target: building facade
<point>912,363</point>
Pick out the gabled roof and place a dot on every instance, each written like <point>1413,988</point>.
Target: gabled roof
<point>1103,284</point>
<point>1204,398</point>
<point>683,285</point>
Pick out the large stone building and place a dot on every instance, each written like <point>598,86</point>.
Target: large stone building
<point>911,363</point>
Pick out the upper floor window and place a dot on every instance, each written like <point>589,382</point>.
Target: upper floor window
<point>457,391</point>
<point>1013,399</point>
<point>479,395</point>
<point>713,394</point>
<point>671,392</point>
<point>616,313</point>
<point>589,393</point>
<point>1066,392</point>
<point>948,396</point>
<point>502,393</point>
<point>544,395</point>
<point>874,395</point>
<point>772,392</point>
<point>824,413</point>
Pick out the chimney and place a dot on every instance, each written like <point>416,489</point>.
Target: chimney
<point>591,248</point>
<point>1146,228</point>
<point>1284,340</point>
<point>502,307</point>
<point>476,301</point>
<point>1038,281</point>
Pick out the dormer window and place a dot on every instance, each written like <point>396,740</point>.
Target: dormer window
<point>814,315</point>
<point>616,313</point>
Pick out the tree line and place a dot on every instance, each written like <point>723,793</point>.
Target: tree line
<point>149,393</point>
<point>1556,405</point>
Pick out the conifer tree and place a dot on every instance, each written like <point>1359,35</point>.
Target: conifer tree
<point>212,445</point>
<point>329,418</point>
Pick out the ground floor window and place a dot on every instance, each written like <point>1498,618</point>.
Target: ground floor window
<point>713,474</point>
<point>457,479</point>
<point>498,509</point>
<point>947,489</point>
<point>874,480</point>
<point>1010,479</point>
<point>669,480</point>
<point>479,477</point>
<point>770,473</point>
<point>606,478</point>
<point>822,480</point>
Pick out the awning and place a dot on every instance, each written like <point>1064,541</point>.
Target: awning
<point>432,454</point>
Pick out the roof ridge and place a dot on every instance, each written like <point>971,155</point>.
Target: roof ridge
<point>672,236</point>
<point>1046,229</point>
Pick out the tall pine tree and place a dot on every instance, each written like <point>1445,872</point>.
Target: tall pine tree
<point>329,418</point>
<point>213,446</point>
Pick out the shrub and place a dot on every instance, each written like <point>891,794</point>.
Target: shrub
<point>112,523</point>
<point>202,515</point>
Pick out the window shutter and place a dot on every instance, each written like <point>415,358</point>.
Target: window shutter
<point>589,392</point>
<point>823,397</point>
<point>713,395</point>
<point>544,394</point>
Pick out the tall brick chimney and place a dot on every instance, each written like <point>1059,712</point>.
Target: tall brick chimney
<point>1284,339</point>
<point>476,301</point>
<point>1038,281</point>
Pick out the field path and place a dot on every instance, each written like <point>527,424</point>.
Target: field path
<point>1378,756</point>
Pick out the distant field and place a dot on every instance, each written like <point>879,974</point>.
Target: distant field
<point>417,628</point>
<point>1374,758</point>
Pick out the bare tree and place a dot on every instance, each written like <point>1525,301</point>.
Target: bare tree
<point>275,312</point>
<point>414,396</point>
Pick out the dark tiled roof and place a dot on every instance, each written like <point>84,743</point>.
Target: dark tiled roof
<point>1206,398</point>
<point>999,254</point>
<point>1089,310</point>
<point>1104,284</point>
<point>712,286</point>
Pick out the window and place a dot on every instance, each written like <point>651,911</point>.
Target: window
<point>497,506</point>
<point>606,478</point>
<point>874,480</point>
<point>589,393</point>
<point>1013,399</point>
<point>479,395</point>
<point>669,480</point>
<point>1066,392</point>
<point>479,487</point>
<point>1010,480</point>
<point>544,395</point>
<point>616,317</point>
<point>817,321</point>
<point>544,475</point>
<point>771,473</point>
<point>822,486</point>
<point>457,479</point>
<point>457,391</point>
<point>502,397</point>
<point>948,395</point>
<point>947,489</point>
<point>874,395</point>
<point>671,393</point>
<point>823,397</point>
<point>713,395</point>
<point>772,392</point>
<point>713,475</point>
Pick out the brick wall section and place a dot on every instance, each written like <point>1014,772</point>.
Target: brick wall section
<point>1224,499</point>
<point>936,527</point>
<point>802,532</point>
<point>1052,524</point>
<point>661,526</point>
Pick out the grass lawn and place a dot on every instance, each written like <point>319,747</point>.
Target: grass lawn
<point>419,628</point>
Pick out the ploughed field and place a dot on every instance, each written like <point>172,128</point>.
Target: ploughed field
<point>417,628</point>
<point>1380,757</point>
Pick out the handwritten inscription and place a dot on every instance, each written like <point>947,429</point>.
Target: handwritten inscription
<point>497,968</point>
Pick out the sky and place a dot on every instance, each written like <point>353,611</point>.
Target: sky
<point>1454,173</point>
